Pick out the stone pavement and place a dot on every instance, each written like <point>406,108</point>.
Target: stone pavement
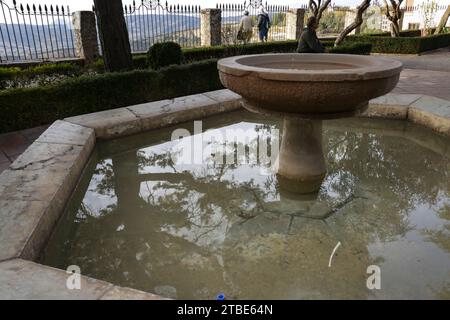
<point>431,83</point>
<point>428,74</point>
<point>437,60</point>
<point>13,144</point>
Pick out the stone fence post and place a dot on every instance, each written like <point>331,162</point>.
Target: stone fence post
<point>85,32</point>
<point>295,22</point>
<point>211,27</point>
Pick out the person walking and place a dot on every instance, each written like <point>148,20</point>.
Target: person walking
<point>245,31</point>
<point>264,25</point>
<point>309,42</point>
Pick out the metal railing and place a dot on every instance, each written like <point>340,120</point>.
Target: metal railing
<point>232,15</point>
<point>153,21</point>
<point>45,32</point>
<point>30,32</point>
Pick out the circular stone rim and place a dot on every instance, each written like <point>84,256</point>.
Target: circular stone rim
<point>376,68</point>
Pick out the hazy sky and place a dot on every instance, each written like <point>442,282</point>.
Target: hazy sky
<point>87,4</point>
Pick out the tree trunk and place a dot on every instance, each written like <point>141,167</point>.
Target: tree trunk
<point>395,29</point>
<point>318,8</point>
<point>365,4</point>
<point>395,17</point>
<point>113,35</point>
<point>443,21</point>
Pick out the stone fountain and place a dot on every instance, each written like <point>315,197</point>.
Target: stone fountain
<point>305,89</point>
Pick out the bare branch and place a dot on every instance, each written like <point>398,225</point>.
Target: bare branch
<point>365,4</point>
<point>317,8</point>
<point>388,14</point>
<point>394,14</point>
<point>443,21</point>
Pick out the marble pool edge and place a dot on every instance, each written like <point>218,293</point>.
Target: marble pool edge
<point>36,187</point>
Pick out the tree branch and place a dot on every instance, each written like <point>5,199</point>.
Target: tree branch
<point>365,4</point>
<point>395,16</point>
<point>443,21</point>
<point>322,9</point>
<point>317,8</point>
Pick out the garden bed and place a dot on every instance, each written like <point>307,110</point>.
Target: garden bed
<point>53,73</point>
<point>74,95</point>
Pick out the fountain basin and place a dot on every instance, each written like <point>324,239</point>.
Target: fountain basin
<point>29,222</point>
<point>310,86</point>
<point>305,89</point>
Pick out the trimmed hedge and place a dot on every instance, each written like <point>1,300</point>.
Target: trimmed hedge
<point>140,61</point>
<point>26,108</point>
<point>29,107</point>
<point>402,45</point>
<point>352,48</point>
<point>404,33</point>
<point>218,52</point>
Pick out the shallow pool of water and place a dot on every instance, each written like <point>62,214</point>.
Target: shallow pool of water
<point>141,218</point>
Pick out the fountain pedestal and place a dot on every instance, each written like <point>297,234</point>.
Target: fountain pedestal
<point>301,161</point>
<point>313,87</point>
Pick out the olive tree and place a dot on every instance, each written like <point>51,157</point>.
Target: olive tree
<point>317,7</point>
<point>363,6</point>
<point>394,14</point>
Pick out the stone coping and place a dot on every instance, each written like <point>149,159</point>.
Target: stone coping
<point>36,187</point>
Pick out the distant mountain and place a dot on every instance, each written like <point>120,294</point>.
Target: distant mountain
<point>144,30</point>
<point>37,41</point>
<point>29,42</point>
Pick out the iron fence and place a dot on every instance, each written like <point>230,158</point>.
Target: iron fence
<point>44,32</point>
<point>153,21</point>
<point>30,32</point>
<point>232,15</point>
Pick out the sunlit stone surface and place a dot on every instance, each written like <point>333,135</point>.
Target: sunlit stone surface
<point>142,220</point>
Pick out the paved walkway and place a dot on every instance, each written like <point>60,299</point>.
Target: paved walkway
<point>428,74</point>
<point>432,83</point>
<point>438,60</point>
<point>13,144</point>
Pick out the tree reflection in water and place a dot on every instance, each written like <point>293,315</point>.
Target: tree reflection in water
<point>144,221</point>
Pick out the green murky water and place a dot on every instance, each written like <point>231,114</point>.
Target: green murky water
<point>141,219</point>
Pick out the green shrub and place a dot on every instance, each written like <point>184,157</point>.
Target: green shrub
<point>25,108</point>
<point>50,69</point>
<point>140,61</point>
<point>404,33</point>
<point>434,42</point>
<point>8,73</point>
<point>218,52</point>
<point>38,74</point>
<point>13,73</point>
<point>164,54</point>
<point>402,45</point>
<point>352,48</point>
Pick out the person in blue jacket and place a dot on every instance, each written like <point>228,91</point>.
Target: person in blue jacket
<point>264,25</point>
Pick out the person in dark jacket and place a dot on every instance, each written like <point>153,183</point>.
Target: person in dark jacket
<point>263,25</point>
<point>309,43</point>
